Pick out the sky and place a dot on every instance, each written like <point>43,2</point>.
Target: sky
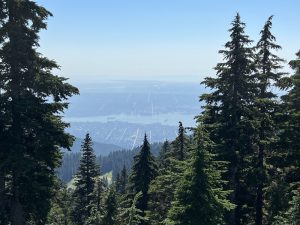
<point>170,40</point>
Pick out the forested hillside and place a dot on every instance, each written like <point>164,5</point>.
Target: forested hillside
<point>114,161</point>
<point>240,164</point>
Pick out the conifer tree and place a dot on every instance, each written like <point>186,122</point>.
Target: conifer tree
<point>88,172</point>
<point>286,159</point>
<point>133,215</point>
<point>228,113</point>
<point>110,208</point>
<point>161,191</point>
<point>291,125</point>
<point>144,170</point>
<point>118,183</point>
<point>32,99</point>
<point>199,197</point>
<point>179,145</point>
<point>267,65</point>
<point>164,154</point>
<point>98,192</point>
<point>292,215</point>
<point>123,180</point>
<point>60,207</point>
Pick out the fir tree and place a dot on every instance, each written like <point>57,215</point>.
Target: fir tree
<point>291,125</point>
<point>200,198</point>
<point>133,215</point>
<point>286,159</point>
<point>267,66</point>
<point>60,207</point>
<point>32,100</point>
<point>228,114</point>
<point>110,208</point>
<point>161,191</point>
<point>179,145</point>
<point>144,170</point>
<point>88,172</point>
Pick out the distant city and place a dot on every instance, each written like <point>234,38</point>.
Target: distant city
<point>120,112</point>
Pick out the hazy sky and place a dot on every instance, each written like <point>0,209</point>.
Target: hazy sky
<point>156,39</point>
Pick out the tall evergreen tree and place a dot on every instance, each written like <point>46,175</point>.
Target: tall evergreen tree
<point>144,170</point>
<point>228,113</point>
<point>199,197</point>
<point>286,159</point>
<point>88,172</point>
<point>291,125</point>
<point>180,144</point>
<point>267,65</point>
<point>32,98</point>
<point>110,208</point>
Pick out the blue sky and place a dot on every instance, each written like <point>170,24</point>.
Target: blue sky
<point>96,40</point>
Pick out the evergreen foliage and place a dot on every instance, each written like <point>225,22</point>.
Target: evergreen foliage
<point>200,198</point>
<point>84,194</point>
<point>144,170</point>
<point>133,215</point>
<point>267,66</point>
<point>32,98</point>
<point>240,165</point>
<point>228,116</point>
<point>60,207</point>
<point>122,181</point>
<point>179,145</point>
<point>110,208</point>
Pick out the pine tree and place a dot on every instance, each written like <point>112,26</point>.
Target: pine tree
<point>228,115</point>
<point>88,172</point>
<point>267,66</point>
<point>199,197</point>
<point>144,170</point>
<point>110,208</point>
<point>32,100</point>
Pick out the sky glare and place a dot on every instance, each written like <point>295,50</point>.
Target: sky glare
<point>177,40</point>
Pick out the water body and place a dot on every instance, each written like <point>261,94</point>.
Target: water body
<point>169,119</point>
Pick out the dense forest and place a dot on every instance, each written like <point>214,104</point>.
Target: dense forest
<point>239,165</point>
<point>114,161</point>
